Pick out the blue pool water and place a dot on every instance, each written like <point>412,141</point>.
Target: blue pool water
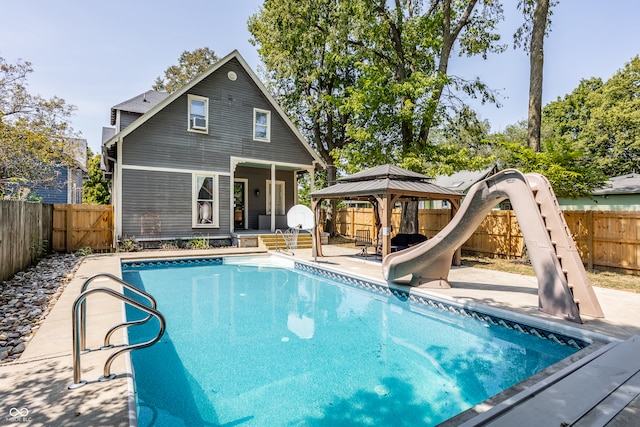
<point>254,345</point>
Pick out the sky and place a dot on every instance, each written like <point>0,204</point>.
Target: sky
<point>95,55</point>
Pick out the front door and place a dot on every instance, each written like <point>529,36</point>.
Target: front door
<point>239,203</point>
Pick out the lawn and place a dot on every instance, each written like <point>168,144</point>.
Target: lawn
<point>602,279</point>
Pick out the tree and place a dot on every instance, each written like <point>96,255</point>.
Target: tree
<point>33,133</point>
<point>602,120</point>
<point>534,30</point>
<point>559,161</point>
<point>190,64</point>
<point>95,190</point>
<point>372,74</point>
<point>309,64</point>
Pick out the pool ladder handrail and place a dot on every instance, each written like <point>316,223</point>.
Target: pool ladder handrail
<point>83,311</point>
<point>79,327</point>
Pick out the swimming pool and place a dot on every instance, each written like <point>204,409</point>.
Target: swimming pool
<point>253,343</point>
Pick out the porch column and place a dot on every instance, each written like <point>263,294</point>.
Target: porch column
<point>273,197</point>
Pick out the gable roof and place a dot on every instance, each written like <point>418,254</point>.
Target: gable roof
<point>463,180</point>
<point>625,184</point>
<point>184,89</point>
<point>139,104</point>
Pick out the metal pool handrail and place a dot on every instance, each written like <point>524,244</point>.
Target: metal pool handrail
<point>77,326</point>
<point>83,310</point>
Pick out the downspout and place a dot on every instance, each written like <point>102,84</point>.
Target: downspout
<point>118,198</point>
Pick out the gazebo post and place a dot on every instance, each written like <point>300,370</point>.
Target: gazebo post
<point>315,207</point>
<point>457,255</point>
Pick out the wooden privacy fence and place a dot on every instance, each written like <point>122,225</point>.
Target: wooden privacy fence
<point>25,234</point>
<point>604,239</point>
<point>82,226</point>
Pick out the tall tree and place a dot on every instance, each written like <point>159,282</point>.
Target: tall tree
<point>33,133</point>
<point>190,64</point>
<point>309,65</point>
<point>377,70</point>
<point>534,30</point>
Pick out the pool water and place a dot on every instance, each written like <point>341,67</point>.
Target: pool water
<point>253,345</point>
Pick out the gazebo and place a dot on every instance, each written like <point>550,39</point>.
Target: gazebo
<point>383,186</point>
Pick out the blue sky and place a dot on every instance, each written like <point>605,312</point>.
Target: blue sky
<point>98,54</point>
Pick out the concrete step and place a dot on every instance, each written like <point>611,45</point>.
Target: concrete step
<point>275,241</point>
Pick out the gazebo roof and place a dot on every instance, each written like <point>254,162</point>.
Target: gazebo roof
<point>386,179</point>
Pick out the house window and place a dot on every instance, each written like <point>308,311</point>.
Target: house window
<point>205,196</point>
<point>198,114</point>
<point>261,125</point>
<point>279,203</point>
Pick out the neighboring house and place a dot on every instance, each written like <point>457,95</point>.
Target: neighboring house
<point>620,193</point>
<point>460,181</point>
<point>216,157</point>
<point>67,188</point>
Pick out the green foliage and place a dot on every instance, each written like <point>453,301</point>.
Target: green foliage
<point>190,65</point>
<point>602,120</point>
<point>128,244</point>
<point>198,243</point>
<point>84,251</point>
<point>95,190</point>
<point>34,133</point>
<point>38,248</point>
<point>366,80</point>
<point>558,161</point>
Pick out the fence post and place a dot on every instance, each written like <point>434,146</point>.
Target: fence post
<point>590,233</point>
<point>69,228</point>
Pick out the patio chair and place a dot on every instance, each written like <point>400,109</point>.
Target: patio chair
<point>363,239</point>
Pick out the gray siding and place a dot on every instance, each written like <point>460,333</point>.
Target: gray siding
<point>126,118</point>
<point>163,141</point>
<point>169,195</point>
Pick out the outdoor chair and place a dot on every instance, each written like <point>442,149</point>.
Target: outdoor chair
<point>363,239</point>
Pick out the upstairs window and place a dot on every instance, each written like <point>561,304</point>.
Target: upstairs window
<point>198,114</point>
<point>261,125</point>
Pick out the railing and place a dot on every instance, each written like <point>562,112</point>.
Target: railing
<point>83,309</point>
<point>79,326</point>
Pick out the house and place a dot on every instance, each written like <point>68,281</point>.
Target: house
<point>67,187</point>
<point>620,193</point>
<point>213,159</point>
<point>460,181</point>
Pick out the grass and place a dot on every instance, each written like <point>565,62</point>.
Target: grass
<point>601,279</point>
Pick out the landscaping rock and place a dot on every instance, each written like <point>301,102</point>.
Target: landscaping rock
<point>27,298</point>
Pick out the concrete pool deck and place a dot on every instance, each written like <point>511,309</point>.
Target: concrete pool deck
<point>37,382</point>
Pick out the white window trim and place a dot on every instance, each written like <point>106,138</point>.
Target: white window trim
<point>206,113</point>
<point>279,184</point>
<point>268,113</point>
<point>216,201</point>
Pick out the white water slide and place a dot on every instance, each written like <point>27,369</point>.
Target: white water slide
<point>563,287</point>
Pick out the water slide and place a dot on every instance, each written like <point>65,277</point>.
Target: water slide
<point>563,287</point>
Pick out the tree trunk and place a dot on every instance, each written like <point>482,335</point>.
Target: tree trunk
<point>536,62</point>
<point>409,218</point>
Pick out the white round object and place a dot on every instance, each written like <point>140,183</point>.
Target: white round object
<point>301,217</point>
